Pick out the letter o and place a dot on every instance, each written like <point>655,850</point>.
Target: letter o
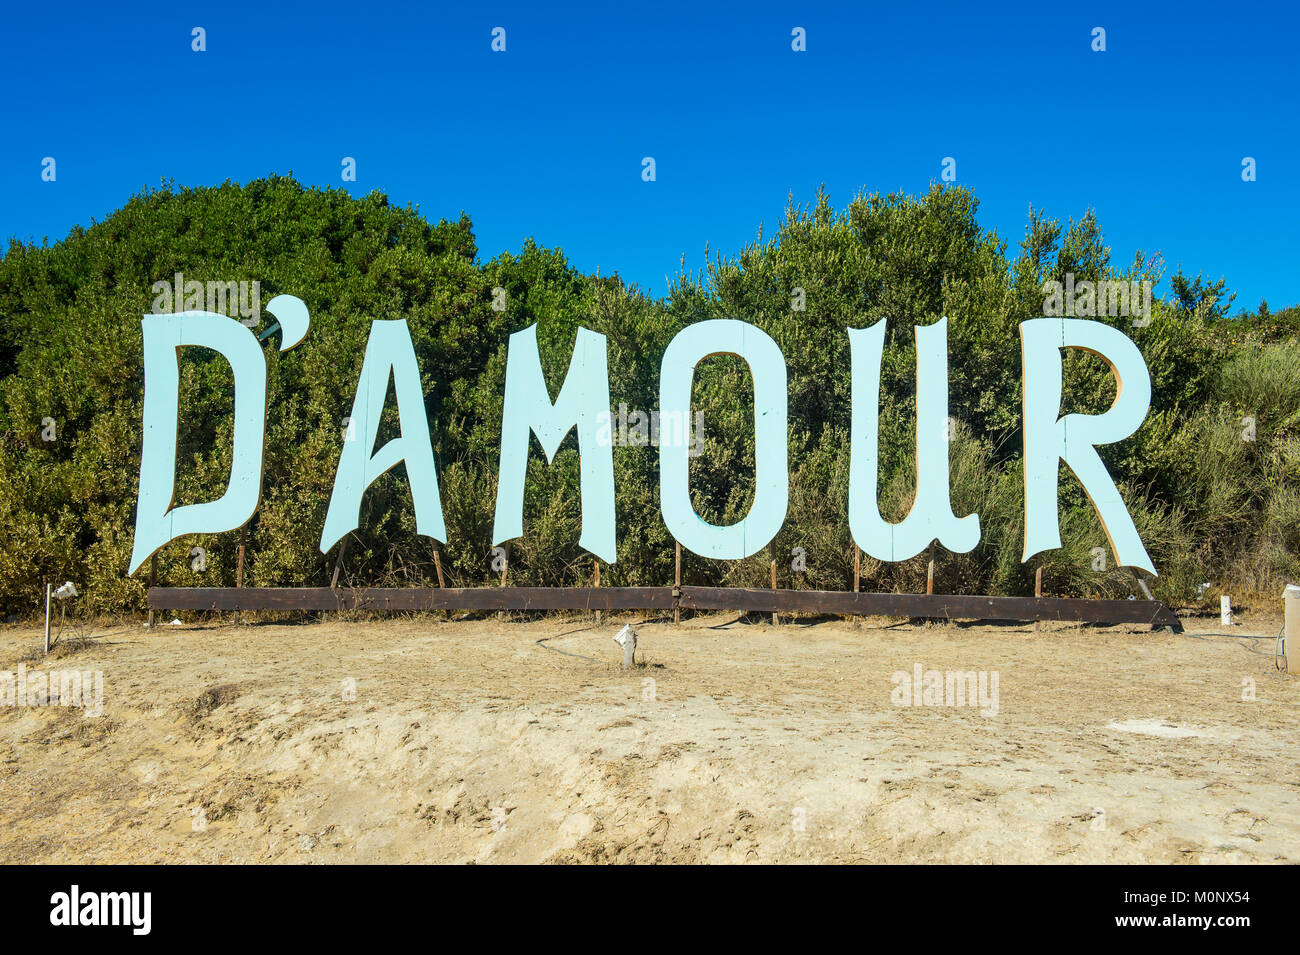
<point>771,485</point>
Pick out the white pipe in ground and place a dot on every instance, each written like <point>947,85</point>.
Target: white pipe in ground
<point>1291,627</point>
<point>626,638</point>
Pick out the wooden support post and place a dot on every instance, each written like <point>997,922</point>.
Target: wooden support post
<point>776,620</point>
<point>437,566</point>
<point>505,569</point>
<point>595,565</point>
<point>153,582</point>
<point>677,584</point>
<point>1038,592</point>
<point>929,580</point>
<point>857,576</point>
<point>338,562</point>
<point>239,567</point>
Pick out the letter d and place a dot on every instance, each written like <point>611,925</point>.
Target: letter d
<point>156,522</point>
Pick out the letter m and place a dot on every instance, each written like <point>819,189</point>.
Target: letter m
<point>583,400</point>
<point>116,908</point>
<point>1112,298</point>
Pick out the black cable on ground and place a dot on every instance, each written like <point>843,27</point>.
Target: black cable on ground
<point>542,643</point>
<point>1238,636</point>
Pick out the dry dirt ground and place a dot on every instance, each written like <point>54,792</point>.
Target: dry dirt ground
<point>732,741</point>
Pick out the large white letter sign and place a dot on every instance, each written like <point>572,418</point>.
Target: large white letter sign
<point>771,478</point>
<point>1072,438</point>
<point>583,403</point>
<point>931,516</point>
<point>156,523</point>
<point>389,352</point>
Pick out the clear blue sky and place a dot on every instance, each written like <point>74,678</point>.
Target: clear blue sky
<point>547,138</point>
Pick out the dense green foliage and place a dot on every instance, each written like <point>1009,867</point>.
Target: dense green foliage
<point>1211,505</point>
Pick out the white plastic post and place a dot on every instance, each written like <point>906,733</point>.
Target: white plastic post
<point>47,618</point>
<point>1291,627</point>
<point>1225,610</point>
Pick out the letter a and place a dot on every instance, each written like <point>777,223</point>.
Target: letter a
<point>389,353</point>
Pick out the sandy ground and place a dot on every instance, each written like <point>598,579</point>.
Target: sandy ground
<point>733,741</point>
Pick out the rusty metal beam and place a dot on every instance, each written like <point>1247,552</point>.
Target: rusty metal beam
<point>945,606</point>
<point>411,598</point>
<point>942,606</point>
